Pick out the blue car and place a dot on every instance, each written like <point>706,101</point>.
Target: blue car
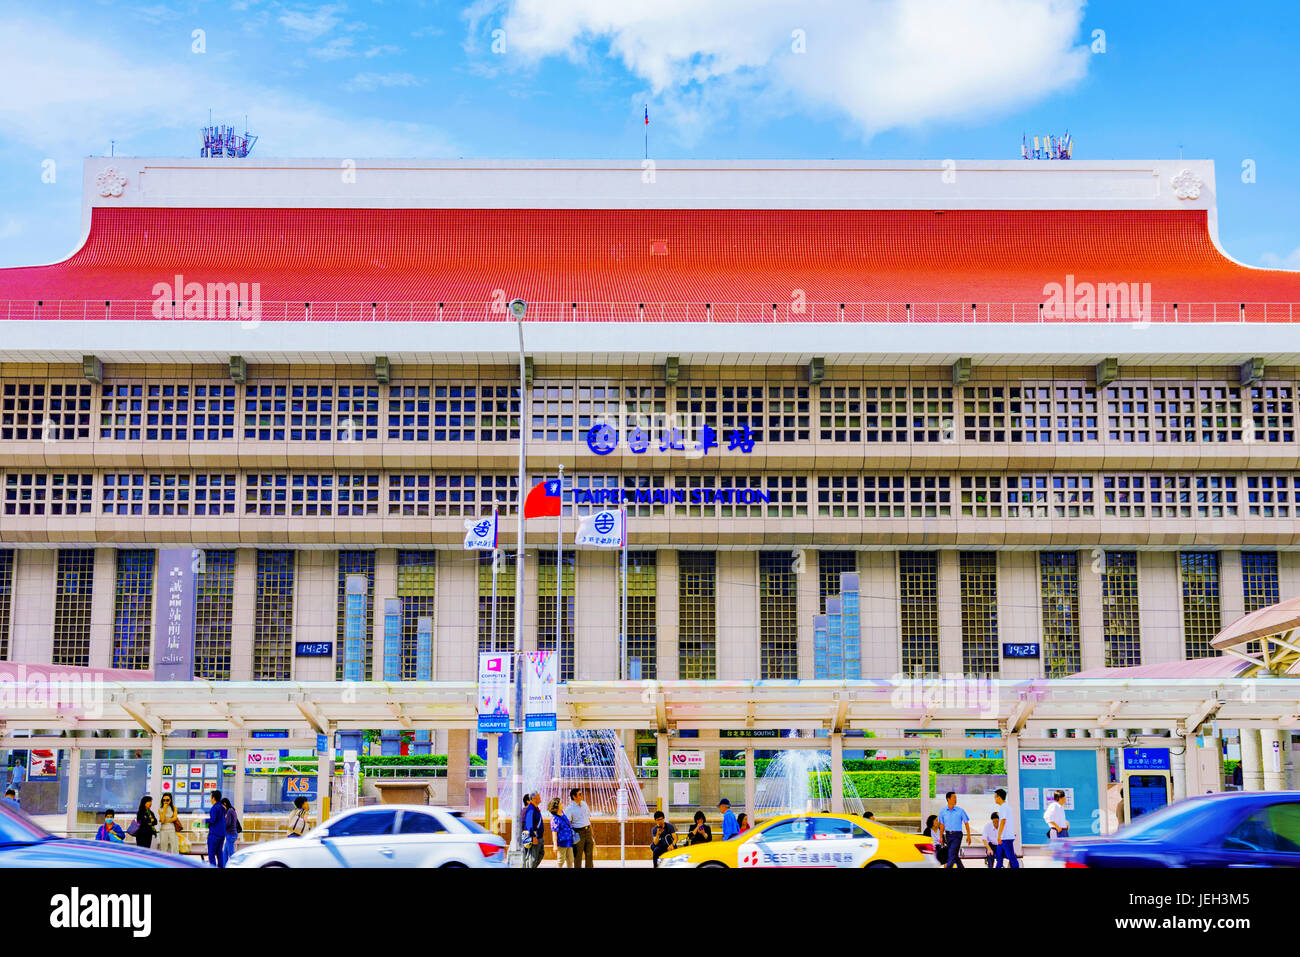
<point>23,843</point>
<point>1241,829</point>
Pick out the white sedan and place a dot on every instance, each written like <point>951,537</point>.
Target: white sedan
<point>386,835</point>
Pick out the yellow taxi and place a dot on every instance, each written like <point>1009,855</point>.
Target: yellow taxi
<point>810,840</point>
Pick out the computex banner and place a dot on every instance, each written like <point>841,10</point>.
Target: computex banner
<point>493,694</point>
<point>539,690</point>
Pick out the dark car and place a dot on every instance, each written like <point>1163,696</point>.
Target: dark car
<point>1242,829</point>
<point>24,843</point>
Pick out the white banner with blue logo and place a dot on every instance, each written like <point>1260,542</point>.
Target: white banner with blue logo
<point>481,533</point>
<point>604,529</point>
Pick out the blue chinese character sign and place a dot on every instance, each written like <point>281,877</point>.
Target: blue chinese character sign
<point>481,533</point>
<point>603,439</point>
<point>604,529</point>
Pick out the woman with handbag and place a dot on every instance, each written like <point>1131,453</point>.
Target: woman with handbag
<point>169,825</point>
<point>145,825</point>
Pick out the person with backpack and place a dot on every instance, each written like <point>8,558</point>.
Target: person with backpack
<point>216,831</point>
<point>109,831</point>
<point>663,837</point>
<point>145,825</point>
<point>233,827</point>
<point>562,832</point>
<point>298,817</point>
<point>530,833</point>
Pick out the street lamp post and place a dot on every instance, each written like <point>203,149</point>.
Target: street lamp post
<point>517,309</point>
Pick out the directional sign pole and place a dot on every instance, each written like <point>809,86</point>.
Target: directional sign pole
<point>559,568</point>
<point>623,640</point>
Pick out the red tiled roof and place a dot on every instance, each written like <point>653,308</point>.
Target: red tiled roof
<point>648,256</point>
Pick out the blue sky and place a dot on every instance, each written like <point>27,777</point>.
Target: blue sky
<point>875,79</point>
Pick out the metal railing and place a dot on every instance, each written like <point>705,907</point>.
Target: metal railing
<point>718,312</point>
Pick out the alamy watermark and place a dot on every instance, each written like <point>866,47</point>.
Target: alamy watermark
<point>1130,301</point>
<point>41,688</point>
<point>214,300</point>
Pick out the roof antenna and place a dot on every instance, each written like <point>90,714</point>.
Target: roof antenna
<point>112,147</point>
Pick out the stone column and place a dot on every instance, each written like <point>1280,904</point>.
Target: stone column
<point>315,610</point>
<point>74,791</point>
<point>493,790</point>
<point>240,754</point>
<point>1092,636</point>
<point>737,616</point>
<point>385,588</point>
<point>949,593</point>
<point>663,774</point>
<point>925,784</point>
<point>878,609</point>
<point>1192,766</point>
<point>1232,590</point>
<point>1252,764</point>
<point>666,618</point>
<point>103,598</point>
<point>1160,609</point>
<point>710,778</point>
<point>808,592</point>
<point>1019,611</point>
<point>837,772</point>
<point>243,615</point>
<point>1273,760</point>
<point>751,785</point>
<point>458,751</point>
<point>598,615</point>
<point>455,626</point>
<point>155,769</point>
<point>1011,755</point>
<point>1178,769</point>
<point>31,628</point>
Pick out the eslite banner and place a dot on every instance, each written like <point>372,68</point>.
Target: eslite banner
<point>493,694</point>
<point>539,691</point>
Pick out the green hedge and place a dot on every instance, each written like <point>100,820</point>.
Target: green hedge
<point>937,765</point>
<point>874,784</point>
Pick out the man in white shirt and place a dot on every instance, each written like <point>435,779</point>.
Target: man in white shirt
<point>990,837</point>
<point>1058,825</point>
<point>1005,846</point>
<point>584,845</point>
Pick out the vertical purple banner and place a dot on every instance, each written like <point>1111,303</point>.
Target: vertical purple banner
<point>174,592</point>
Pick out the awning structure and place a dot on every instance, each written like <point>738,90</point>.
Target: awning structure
<point>887,708</point>
<point>1274,632</point>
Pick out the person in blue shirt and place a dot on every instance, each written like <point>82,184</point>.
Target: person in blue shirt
<point>730,827</point>
<point>562,831</point>
<point>108,831</point>
<point>17,774</point>
<point>216,831</point>
<point>951,821</point>
<point>11,798</point>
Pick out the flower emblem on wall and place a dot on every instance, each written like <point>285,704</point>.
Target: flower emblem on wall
<point>1187,185</point>
<point>110,182</point>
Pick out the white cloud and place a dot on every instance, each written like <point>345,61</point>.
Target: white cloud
<point>368,82</point>
<point>1289,261</point>
<point>71,94</point>
<point>382,49</point>
<point>10,228</point>
<point>338,48</point>
<point>311,25</point>
<point>879,63</point>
